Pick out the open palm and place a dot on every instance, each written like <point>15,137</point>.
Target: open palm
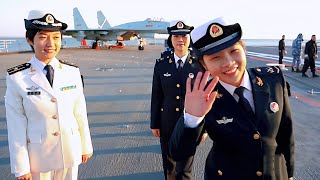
<point>199,100</point>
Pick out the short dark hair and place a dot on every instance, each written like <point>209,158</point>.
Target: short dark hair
<point>30,34</point>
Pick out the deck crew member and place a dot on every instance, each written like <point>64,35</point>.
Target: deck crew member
<point>48,131</point>
<point>168,92</point>
<point>246,112</point>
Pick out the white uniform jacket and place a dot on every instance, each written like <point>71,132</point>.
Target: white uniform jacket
<point>47,126</point>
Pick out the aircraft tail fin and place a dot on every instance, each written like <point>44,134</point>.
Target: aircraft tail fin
<point>102,21</point>
<point>79,23</point>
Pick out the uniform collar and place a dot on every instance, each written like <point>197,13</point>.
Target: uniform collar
<point>54,63</point>
<point>183,58</point>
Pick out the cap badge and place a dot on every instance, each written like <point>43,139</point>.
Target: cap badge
<point>259,81</point>
<point>49,19</point>
<point>274,107</point>
<point>179,25</point>
<point>215,31</point>
<point>191,75</point>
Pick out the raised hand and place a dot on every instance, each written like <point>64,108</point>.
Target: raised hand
<point>198,102</point>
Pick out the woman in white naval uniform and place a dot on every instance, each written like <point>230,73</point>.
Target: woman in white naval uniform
<point>48,131</point>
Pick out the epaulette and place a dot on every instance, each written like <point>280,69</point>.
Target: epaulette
<point>18,68</point>
<point>165,54</point>
<point>269,70</point>
<point>68,63</point>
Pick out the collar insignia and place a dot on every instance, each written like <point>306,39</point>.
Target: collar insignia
<point>170,60</point>
<point>270,70</point>
<point>259,81</point>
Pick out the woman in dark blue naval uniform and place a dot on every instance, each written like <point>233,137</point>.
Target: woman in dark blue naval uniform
<point>245,112</point>
<point>168,91</point>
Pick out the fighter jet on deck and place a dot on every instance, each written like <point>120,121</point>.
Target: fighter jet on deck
<point>127,31</point>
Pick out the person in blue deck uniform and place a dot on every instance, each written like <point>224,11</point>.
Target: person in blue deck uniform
<point>246,112</point>
<point>168,91</point>
<point>48,131</point>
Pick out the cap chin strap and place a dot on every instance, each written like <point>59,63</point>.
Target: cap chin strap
<point>180,30</point>
<point>221,41</point>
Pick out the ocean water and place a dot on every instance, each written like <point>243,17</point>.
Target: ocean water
<point>20,44</point>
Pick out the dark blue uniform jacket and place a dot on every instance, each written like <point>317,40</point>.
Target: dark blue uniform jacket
<point>259,147</point>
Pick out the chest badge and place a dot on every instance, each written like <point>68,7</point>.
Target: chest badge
<point>66,88</point>
<point>167,75</point>
<point>274,107</point>
<point>225,120</point>
<point>33,90</point>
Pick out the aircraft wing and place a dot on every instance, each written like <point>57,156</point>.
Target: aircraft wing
<point>127,31</point>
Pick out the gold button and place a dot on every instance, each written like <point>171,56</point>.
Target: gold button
<point>256,136</point>
<point>177,109</point>
<point>161,109</point>
<point>219,173</point>
<point>54,116</point>
<point>53,100</point>
<point>177,97</point>
<point>259,173</point>
<point>28,140</point>
<point>56,133</point>
<point>178,85</point>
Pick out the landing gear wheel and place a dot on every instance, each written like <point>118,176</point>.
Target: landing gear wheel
<point>140,48</point>
<point>94,45</point>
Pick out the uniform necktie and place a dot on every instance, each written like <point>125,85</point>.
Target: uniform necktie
<point>179,65</point>
<point>243,102</point>
<point>50,72</point>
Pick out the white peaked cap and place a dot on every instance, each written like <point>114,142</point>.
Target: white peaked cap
<point>200,31</point>
<point>35,14</point>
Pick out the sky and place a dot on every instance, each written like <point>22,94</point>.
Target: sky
<point>259,19</point>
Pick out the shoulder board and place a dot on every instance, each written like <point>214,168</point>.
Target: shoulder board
<point>166,53</point>
<point>269,70</point>
<point>68,63</point>
<point>18,68</point>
